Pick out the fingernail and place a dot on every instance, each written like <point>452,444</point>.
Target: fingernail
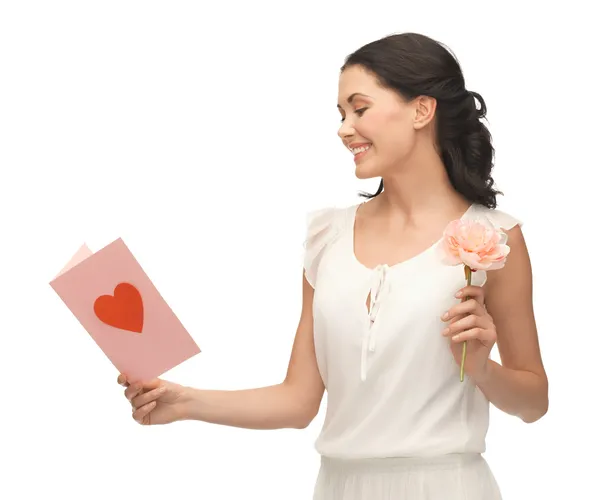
<point>446,331</point>
<point>455,337</point>
<point>459,294</point>
<point>445,316</point>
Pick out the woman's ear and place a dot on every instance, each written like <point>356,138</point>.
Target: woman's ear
<point>424,107</point>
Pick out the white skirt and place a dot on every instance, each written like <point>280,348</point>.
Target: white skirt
<point>450,477</point>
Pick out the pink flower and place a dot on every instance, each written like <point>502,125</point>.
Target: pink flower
<point>476,245</point>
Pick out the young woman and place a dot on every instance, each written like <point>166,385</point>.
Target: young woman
<point>381,327</point>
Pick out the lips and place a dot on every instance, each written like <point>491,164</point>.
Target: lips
<point>361,154</point>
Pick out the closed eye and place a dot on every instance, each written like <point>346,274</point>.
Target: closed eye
<point>358,111</point>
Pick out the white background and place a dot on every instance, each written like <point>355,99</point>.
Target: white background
<point>201,133</point>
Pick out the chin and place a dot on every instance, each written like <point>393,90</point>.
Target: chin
<point>364,172</point>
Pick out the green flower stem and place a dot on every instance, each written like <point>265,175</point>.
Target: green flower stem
<point>468,274</point>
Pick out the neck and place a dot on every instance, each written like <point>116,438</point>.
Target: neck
<point>420,185</point>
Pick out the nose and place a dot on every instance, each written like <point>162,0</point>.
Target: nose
<point>346,129</point>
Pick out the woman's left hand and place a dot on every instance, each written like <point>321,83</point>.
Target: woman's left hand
<point>470,321</point>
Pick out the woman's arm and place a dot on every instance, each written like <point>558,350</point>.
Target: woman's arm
<point>519,386</point>
<point>291,404</point>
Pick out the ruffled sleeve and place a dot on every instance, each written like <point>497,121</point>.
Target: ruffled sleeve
<point>503,220</point>
<point>500,220</point>
<point>321,229</point>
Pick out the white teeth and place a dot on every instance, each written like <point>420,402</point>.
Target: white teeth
<point>361,149</point>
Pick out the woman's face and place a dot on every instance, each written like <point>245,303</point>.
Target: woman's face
<point>377,117</point>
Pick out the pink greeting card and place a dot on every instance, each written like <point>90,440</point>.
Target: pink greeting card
<point>115,301</point>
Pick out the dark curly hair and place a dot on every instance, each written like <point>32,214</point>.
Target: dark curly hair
<point>415,65</point>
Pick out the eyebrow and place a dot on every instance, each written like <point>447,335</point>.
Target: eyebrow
<point>349,100</point>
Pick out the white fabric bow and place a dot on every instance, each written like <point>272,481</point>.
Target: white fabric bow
<point>379,289</point>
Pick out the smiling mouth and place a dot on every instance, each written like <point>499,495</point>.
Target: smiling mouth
<point>361,154</point>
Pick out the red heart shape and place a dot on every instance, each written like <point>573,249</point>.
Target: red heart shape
<point>124,310</point>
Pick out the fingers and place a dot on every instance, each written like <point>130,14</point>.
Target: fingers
<point>142,405</point>
<point>142,396</point>
<point>460,325</point>
<point>122,380</point>
<point>147,397</point>
<point>140,414</point>
<point>132,391</point>
<point>471,306</point>
<point>467,323</point>
<point>152,384</point>
<point>485,336</point>
<point>473,292</point>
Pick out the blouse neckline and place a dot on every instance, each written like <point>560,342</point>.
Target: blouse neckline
<point>351,230</point>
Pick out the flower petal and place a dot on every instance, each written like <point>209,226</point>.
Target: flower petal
<point>470,259</point>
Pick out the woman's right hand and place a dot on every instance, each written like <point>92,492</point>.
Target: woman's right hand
<point>154,402</point>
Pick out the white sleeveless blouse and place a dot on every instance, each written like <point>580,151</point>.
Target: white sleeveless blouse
<point>393,387</point>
